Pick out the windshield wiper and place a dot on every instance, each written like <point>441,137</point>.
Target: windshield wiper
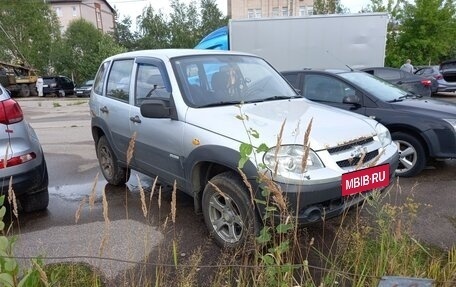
<point>407,96</point>
<point>274,98</point>
<point>221,103</point>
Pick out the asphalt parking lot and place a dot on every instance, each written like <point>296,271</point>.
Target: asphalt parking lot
<point>63,126</point>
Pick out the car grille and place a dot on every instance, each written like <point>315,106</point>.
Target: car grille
<point>350,145</point>
<point>355,160</point>
<point>349,155</point>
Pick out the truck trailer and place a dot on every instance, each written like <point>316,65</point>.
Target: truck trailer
<point>317,41</point>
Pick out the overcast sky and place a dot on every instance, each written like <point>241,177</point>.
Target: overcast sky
<point>133,8</point>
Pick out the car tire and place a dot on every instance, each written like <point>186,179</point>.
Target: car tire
<point>61,93</point>
<point>112,171</point>
<point>412,157</point>
<point>35,201</point>
<point>230,217</point>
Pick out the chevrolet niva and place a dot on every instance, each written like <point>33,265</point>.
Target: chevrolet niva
<point>184,110</point>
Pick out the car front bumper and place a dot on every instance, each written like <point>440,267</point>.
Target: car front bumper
<point>316,202</point>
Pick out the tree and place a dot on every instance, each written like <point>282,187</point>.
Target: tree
<point>211,17</point>
<point>184,23</point>
<point>428,31</point>
<point>328,7</point>
<point>123,34</point>
<point>82,49</point>
<point>28,31</point>
<point>154,31</point>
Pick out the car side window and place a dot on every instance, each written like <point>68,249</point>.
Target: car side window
<point>292,78</point>
<point>98,81</point>
<point>149,83</point>
<point>325,89</point>
<point>118,86</point>
<point>388,74</point>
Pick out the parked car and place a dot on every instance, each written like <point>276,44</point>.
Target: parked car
<point>84,89</point>
<point>422,128</point>
<point>185,108</point>
<point>21,157</point>
<point>435,73</point>
<point>60,86</point>
<point>407,81</point>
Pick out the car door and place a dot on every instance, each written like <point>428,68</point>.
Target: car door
<point>114,105</point>
<point>158,147</point>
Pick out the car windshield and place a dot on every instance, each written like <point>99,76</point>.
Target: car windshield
<point>379,88</point>
<point>88,83</point>
<point>213,80</point>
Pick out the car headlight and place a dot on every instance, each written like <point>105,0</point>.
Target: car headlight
<point>383,134</point>
<point>451,122</point>
<point>288,159</point>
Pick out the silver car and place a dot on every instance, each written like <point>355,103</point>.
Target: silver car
<point>22,160</point>
<point>182,109</point>
<point>444,74</point>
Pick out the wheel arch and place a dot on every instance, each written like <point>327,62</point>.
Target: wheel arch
<point>412,132</point>
<point>206,162</point>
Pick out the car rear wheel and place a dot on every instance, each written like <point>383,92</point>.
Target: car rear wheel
<point>35,202</point>
<point>227,211</point>
<point>112,171</point>
<point>412,157</point>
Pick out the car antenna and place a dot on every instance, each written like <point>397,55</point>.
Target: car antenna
<point>337,59</point>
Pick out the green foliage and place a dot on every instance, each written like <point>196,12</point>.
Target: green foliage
<point>422,30</point>
<point>28,31</point>
<point>82,49</point>
<point>328,7</point>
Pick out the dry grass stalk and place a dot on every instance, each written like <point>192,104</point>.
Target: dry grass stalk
<point>306,145</point>
<point>218,190</point>
<point>154,185</point>
<point>107,223</point>
<point>40,270</point>
<point>278,145</point>
<point>159,197</point>
<point>173,203</point>
<point>5,158</point>
<point>188,276</point>
<point>131,148</point>
<point>143,197</point>
<point>93,192</point>
<point>12,197</point>
<point>248,185</point>
<point>79,210</point>
<point>276,193</point>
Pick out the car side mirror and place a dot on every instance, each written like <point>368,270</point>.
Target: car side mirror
<point>155,108</point>
<point>352,100</point>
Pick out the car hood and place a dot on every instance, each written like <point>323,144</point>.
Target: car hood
<point>430,107</point>
<point>330,127</point>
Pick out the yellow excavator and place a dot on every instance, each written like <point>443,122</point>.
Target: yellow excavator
<point>20,80</point>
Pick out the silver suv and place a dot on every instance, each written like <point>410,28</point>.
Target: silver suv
<point>183,110</point>
<point>21,158</point>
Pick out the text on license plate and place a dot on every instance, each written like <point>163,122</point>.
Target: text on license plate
<point>365,179</point>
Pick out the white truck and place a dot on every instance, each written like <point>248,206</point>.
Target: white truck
<point>318,41</point>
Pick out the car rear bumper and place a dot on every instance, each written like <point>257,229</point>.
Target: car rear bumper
<point>29,182</point>
<point>317,202</point>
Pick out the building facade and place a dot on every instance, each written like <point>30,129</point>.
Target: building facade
<point>248,9</point>
<point>97,12</point>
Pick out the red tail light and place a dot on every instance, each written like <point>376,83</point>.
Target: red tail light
<point>426,83</point>
<point>10,112</point>
<point>17,160</point>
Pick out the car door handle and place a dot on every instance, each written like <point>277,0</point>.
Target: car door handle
<point>104,109</point>
<point>135,119</point>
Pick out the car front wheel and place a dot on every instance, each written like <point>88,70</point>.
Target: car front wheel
<point>35,202</point>
<point>228,212</point>
<point>112,171</point>
<point>412,157</point>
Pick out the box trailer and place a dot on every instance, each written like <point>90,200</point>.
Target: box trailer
<point>318,41</point>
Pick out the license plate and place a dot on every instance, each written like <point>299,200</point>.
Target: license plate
<point>79,92</point>
<point>365,179</point>
<point>45,86</point>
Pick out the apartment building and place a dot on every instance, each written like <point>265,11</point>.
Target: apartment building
<point>245,9</point>
<point>97,12</point>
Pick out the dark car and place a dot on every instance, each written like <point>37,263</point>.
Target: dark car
<point>22,163</point>
<point>407,81</point>
<point>60,86</point>
<point>444,84</point>
<point>84,89</point>
<point>422,128</point>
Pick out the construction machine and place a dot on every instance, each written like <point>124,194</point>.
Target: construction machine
<point>20,80</point>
